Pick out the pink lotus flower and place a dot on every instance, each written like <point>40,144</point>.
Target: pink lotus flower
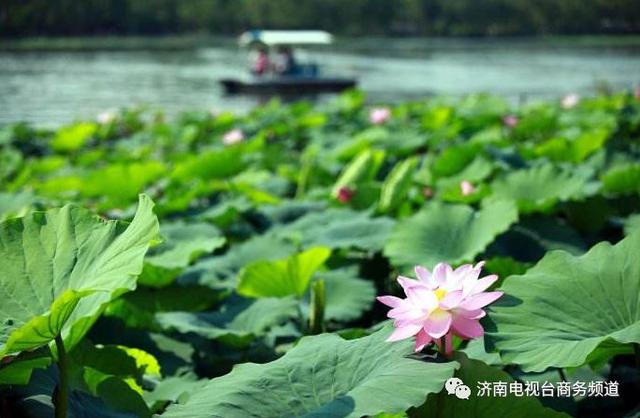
<point>234,136</point>
<point>510,121</point>
<point>466,188</point>
<point>636,93</point>
<point>427,192</point>
<point>379,115</point>
<point>570,101</point>
<point>345,194</point>
<point>441,303</point>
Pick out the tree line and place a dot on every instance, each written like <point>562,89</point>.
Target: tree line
<point>345,17</point>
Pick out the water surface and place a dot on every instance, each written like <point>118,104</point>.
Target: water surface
<point>52,87</point>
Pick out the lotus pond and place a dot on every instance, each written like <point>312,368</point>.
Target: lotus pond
<point>228,266</point>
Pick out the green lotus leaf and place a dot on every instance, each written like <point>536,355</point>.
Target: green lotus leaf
<point>18,371</point>
<point>226,212</point>
<point>550,233</point>
<point>622,179</point>
<point>137,309</point>
<point>339,228</point>
<point>632,224</point>
<point>540,188</point>
<point>455,233</point>
<point>291,210</point>
<point>113,373</point>
<point>237,323</point>
<point>476,171</point>
<point>10,161</point>
<point>565,307</point>
<point>397,184</point>
<point>457,159</point>
<point>504,267</point>
<point>120,183</point>
<point>34,400</point>
<point>60,267</point>
<point>363,168</point>
<point>322,376</point>
<point>173,389</point>
<point>347,296</point>
<point>218,272</point>
<point>183,243</point>
<point>575,149</point>
<point>73,137</point>
<point>471,372</point>
<point>289,276</point>
<point>12,204</point>
<point>214,164</point>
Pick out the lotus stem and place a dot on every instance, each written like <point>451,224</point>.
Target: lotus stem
<point>61,396</point>
<point>562,374</point>
<point>318,303</point>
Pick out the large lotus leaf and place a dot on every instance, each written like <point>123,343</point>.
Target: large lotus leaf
<point>622,179</point>
<point>226,212</point>
<point>574,149</point>
<point>18,370</point>
<point>454,160</point>
<point>540,188</point>
<point>339,228</point>
<point>363,168</point>
<point>291,210</point>
<point>289,276</point>
<point>504,267</point>
<point>120,183</point>
<point>452,233</point>
<point>73,137</point>
<point>565,307</point>
<point>10,161</point>
<point>403,141</point>
<point>632,224</point>
<point>217,272</point>
<point>12,204</point>
<point>347,296</point>
<point>397,185</point>
<point>237,322</point>
<point>173,389</point>
<point>471,372</point>
<point>322,376</point>
<point>551,234</point>
<point>113,374</point>
<point>183,243</point>
<point>476,171</point>
<point>61,266</point>
<point>117,360</point>
<point>172,354</point>
<point>137,309</point>
<point>34,400</point>
<point>213,164</point>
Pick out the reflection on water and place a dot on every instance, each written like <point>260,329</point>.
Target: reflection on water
<point>53,87</point>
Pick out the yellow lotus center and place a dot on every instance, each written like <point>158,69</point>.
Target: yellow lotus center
<point>440,293</point>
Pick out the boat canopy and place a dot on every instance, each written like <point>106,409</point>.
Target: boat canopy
<point>285,37</point>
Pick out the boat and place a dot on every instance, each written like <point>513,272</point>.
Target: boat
<point>303,78</point>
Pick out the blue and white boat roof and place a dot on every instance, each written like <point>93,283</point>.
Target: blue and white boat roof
<point>285,37</point>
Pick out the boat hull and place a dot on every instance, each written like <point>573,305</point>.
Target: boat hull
<point>287,86</point>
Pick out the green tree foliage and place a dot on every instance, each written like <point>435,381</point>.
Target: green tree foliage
<point>355,17</point>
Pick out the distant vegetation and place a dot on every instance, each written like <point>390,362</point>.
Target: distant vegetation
<point>353,17</point>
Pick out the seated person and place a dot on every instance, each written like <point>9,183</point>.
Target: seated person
<point>286,63</point>
<point>260,61</point>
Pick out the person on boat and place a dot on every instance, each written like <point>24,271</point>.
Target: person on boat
<point>260,61</point>
<point>286,63</point>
